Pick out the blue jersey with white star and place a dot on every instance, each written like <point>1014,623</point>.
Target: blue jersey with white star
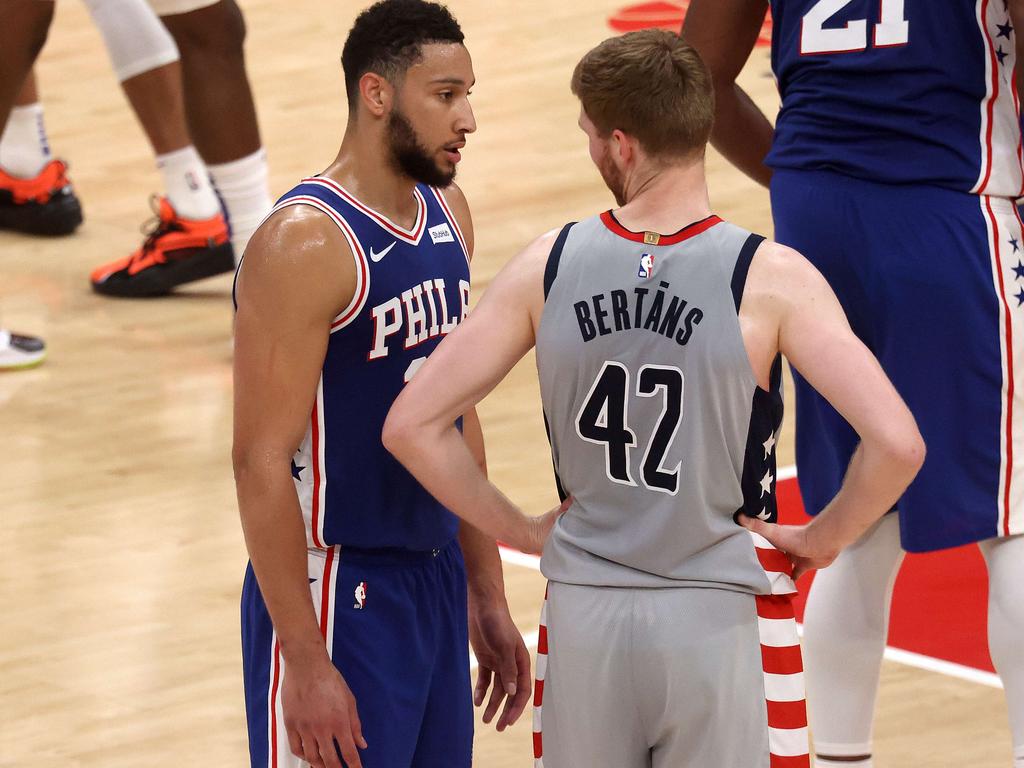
<point>899,91</point>
<point>412,289</point>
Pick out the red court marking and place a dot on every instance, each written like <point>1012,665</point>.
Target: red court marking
<point>667,15</point>
<point>939,607</point>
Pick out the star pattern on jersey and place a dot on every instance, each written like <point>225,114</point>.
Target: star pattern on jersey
<point>764,514</point>
<point>1001,54</point>
<point>1020,298</point>
<point>769,445</point>
<point>767,480</point>
<point>1013,241</point>
<point>1004,29</point>
<point>1018,271</point>
<point>296,470</point>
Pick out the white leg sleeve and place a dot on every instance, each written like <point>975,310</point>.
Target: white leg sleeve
<point>845,627</point>
<point>1005,560</point>
<point>242,185</point>
<point>136,39</point>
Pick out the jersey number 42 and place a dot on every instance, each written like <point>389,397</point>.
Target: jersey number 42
<point>603,419</point>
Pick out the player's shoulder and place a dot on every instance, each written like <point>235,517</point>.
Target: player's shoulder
<point>779,279</point>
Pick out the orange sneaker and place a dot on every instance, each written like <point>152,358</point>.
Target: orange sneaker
<point>176,251</point>
<point>43,205</point>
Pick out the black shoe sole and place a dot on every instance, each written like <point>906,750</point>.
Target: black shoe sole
<point>60,215</point>
<point>161,279</point>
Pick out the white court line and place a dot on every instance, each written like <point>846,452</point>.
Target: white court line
<point>897,655</point>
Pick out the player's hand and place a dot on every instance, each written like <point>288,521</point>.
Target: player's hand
<point>797,542</point>
<point>539,528</point>
<point>320,716</point>
<point>503,663</point>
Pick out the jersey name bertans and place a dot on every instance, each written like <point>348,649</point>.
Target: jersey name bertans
<point>421,311</point>
<point>622,310</point>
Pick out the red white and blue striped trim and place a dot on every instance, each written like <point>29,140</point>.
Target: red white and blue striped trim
<point>1001,170</point>
<point>1004,227</point>
<point>323,568</point>
<point>784,691</point>
<point>411,236</point>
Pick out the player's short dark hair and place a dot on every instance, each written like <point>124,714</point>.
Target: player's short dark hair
<point>387,39</point>
<point>651,85</point>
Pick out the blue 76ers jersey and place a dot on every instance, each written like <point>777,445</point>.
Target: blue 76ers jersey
<point>412,289</point>
<point>899,91</point>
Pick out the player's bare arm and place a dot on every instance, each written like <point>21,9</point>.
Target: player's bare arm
<point>483,349</point>
<point>724,33</point>
<point>503,662</point>
<point>788,299</point>
<point>296,277</point>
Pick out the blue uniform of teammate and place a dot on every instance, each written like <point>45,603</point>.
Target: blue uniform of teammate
<point>893,166</point>
<point>364,593</point>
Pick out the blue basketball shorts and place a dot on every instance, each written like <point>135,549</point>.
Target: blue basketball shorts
<point>395,624</point>
<point>932,281</point>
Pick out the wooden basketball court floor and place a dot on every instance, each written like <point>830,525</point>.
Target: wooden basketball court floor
<point>121,556</point>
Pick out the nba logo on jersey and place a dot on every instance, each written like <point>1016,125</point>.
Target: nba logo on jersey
<point>646,266</point>
<point>360,595</point>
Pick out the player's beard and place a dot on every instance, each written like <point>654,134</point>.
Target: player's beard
<point>408,155</point>
<point>612,178</point>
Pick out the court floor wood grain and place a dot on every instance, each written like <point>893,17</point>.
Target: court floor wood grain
<point>120,551</point>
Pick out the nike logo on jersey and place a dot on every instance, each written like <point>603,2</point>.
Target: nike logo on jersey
<point>376,256</point>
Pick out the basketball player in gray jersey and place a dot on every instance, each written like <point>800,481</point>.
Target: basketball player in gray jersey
<point>669,638</point>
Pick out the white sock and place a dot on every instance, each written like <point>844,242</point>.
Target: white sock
<point>845,627</point>
<point>1005,561</point>
<point>823,763</point>
<point>242,185</point>
<point>24,150</point>
<point>188,184</point>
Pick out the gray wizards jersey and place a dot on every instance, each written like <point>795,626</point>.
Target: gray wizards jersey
<point>658,428</point>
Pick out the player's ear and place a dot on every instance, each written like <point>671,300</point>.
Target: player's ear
<point>376,93</point>
<point>622,146</point>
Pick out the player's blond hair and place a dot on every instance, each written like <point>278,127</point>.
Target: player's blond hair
<point>649,85</point>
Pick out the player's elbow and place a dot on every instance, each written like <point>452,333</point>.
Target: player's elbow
<point>399,433</point>
<point>905,451</point>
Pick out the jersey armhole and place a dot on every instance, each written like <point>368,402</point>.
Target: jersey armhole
<point>362,264</point>
<point>739,272</point>
<point>551,268</point>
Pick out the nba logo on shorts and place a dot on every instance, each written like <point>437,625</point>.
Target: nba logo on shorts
<point>360,594</point>
<point>646,266</point>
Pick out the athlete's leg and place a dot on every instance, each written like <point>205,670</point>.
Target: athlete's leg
<point>24,149</point>
<point>1005,560</point>
<point>586,708</point>
<point>34,197</point>
<point>211,40</point>
<point>845,627</point>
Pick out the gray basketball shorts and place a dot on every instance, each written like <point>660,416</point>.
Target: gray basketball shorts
<point>668,678</point>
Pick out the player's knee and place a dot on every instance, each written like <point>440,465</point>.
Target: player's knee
<point>215,32</point>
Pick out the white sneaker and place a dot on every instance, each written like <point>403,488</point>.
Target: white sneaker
<point>18,351</point>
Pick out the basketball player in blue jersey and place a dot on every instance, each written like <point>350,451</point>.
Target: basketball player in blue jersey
<point>354,610</point>
<point>893,166</point>
<point>669,639</point>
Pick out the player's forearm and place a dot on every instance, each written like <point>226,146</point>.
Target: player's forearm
<point>877,476</point>
<point>480,551</point>
<point>439,458</point>
<point>742,133</point>
<point>276,540</point>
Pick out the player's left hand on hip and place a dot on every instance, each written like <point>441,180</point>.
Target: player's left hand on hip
<point>539,528</point>
<point>503,664</point>
<point>793,541</point>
